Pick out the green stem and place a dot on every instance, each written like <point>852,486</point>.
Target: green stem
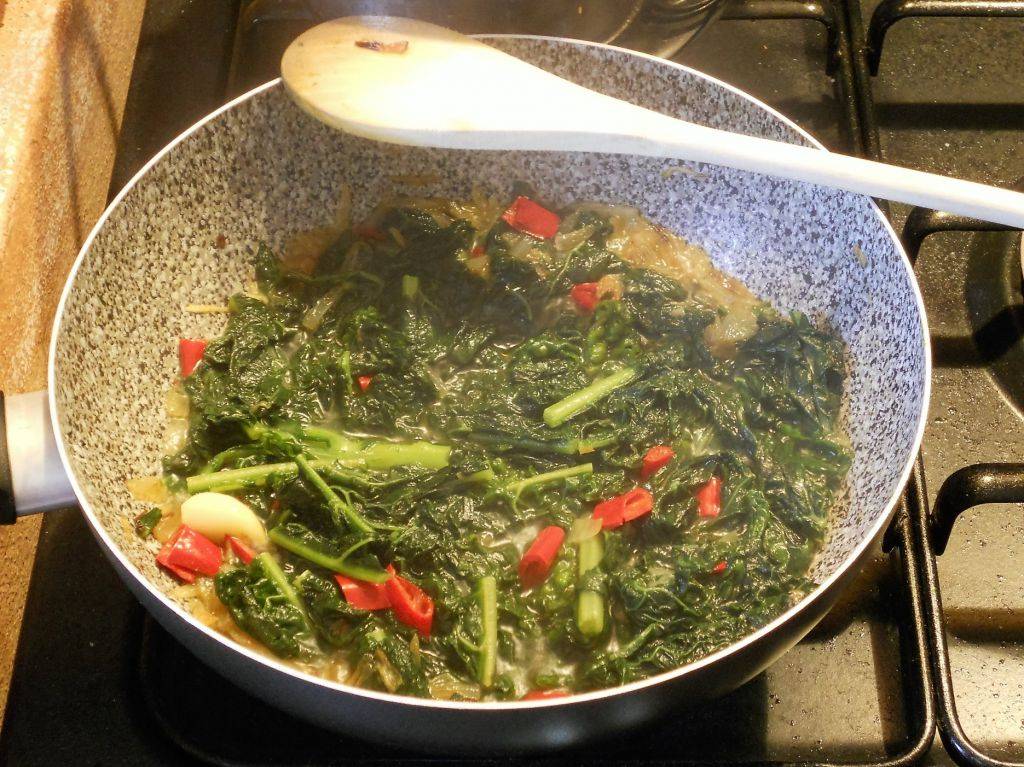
<point>484,475</point>
<point>314,438</point>
<point>377,456</point>
<point>549,476</point>
<point>334,564</point>
<point>410,285</point>
<point>636,642</point>
<point>328,444</point>
<point>224,456</point>
<point>587,397</point>
<point>487,593</point>
<point>584,446</point>
<point>276,574</point>
<point>336,443</point>
<point>346,369</point>
<point>387,455</point>
<point>230,480</point>
<point>314,316</point>
<point>338,507</point>
<point>590,604</point>
<point>559,447</point>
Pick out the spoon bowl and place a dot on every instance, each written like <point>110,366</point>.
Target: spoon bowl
<point>410,82</point>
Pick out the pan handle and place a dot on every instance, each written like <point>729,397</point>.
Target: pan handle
<point>32,477</point>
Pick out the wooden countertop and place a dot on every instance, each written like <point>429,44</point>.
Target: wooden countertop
<point>64,72</point>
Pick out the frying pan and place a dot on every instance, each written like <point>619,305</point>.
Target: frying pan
<point>259,169</point>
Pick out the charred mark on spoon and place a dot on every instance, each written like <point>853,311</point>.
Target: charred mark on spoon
<point>399,46</point>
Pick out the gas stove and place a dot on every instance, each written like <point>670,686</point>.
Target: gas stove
<point>895,675</point>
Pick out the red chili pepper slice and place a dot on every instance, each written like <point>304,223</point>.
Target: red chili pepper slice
<point>538,560</point>
<point>617,511</point>
<point>638,502</point>
<point>655,460</point>
<point>242,550</point>
<point>584,295</point>
<point>363,595</point>
<point>610,512</point>
<point>364,382</point>
<point>181,573</point>
<point>719,568</point>
<point>412,605</point>
<point>194,552</point>
<point>478,251</point>
<point>527,216</point>
<point>709,498</point>
<point>190,351</point>
<point>545,694</point>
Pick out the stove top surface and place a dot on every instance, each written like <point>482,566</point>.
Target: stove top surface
<point>98,682</point>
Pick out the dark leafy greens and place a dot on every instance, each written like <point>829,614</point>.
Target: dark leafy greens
<point>429,397</point>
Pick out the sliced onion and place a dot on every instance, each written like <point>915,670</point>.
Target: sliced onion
<point>149,489</point>
<point>416,179</point>
<point>519,246</point>
<point>683,170</point>
<point>478,265</point>
<point>610,286</point>
<point>357,675</point>
<point>445,687</point>
<point>397,236</point>
<point>566,241</point>
<point>343,215</point>
<point>583,529</point>
<point>207,309</point>
<point>481,213</point>
<point>169,522</point>
<point>727,332</point>
<point>175,435</point>
<point>388,675</point>
<point>314,316</point>
<point>435,206</point>
<point>625,212</point>
<point>176,403</point>
<point>303,250</point>
<point>351,259</point>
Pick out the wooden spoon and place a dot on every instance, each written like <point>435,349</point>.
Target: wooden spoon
<point>410,82</point>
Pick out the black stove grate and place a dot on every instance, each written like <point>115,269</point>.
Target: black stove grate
<point>922,222</point>
<point>972,485</point>
<point>888,12</point>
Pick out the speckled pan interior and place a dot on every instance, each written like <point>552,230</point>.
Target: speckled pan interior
<point>263,170</point>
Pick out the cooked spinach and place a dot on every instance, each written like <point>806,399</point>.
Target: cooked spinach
<point>264,603</point>
<point>429,397</point>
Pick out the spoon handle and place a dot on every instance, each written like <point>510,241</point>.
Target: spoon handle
<point>634,130</point>
<point>891,182</point>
